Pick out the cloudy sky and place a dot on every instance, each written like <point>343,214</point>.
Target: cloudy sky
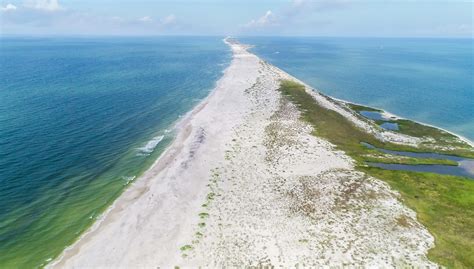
<point>392,18</point>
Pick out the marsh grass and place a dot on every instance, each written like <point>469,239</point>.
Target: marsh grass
<point>360,108</point>
<point>451,144</point>
<point>444,204</point>
<point>408,160</point>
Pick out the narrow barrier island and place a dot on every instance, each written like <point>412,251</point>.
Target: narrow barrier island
<point>267,172</point>
<point>444,203</point>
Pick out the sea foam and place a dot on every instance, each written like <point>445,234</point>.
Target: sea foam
<point>150,145</point>
<point>128,179</point>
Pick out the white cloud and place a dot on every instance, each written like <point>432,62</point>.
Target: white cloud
<point>170,19</point>
<point>165,21</point>
<point>8,7</point>
<point>268,19</point>
<point>298,2</point>
<point>50,17</point>
<point>47,5</point>
<point>309,5</point>
<point>449,30</point>
<point>294,14</point>
<point>146,19</point>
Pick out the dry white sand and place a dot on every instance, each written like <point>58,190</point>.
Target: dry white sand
<point>246,184</point>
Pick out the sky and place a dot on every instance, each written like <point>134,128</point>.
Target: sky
<point>354,18</point>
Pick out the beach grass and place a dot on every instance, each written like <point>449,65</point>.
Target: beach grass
<point>407,160</point>
<point>444,204</point>
<point>360,108</point>
<point>446,142</point>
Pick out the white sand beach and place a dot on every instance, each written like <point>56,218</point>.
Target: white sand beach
<point>246,184</point>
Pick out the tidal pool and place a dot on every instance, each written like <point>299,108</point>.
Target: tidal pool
<point>378,116</point>
<point>373,115</point>
<point>389,126</point>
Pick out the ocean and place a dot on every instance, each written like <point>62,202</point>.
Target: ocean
<point>80,118</point>
<point>425,79</point>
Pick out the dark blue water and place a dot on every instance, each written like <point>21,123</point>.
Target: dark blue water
<point>79,119</point>
<point>429,80</point>
<point>373,115</point>
<point>390,126</point>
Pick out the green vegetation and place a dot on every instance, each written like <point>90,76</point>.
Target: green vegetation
<point>186,247</point>
<point>328,123</point>
<point>445,142</point>
<point>444,204</point>
<point>407,160</point>
<point>359,108</point>
<point>203,215</point>
<point>342,132</point>
<point>210,196</point>
<point>443,138</point>
<point>418,130</point>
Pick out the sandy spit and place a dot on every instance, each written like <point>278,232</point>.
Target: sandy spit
<point>246,184</point>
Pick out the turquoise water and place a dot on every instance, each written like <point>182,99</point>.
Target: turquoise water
<point>429,80</point>
<point>79,120</point>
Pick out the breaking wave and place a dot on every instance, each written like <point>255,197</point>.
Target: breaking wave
<point>150,145</point>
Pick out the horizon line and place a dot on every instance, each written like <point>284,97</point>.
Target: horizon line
<point>222,36</point>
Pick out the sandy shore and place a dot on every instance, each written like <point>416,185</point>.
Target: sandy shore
<point>246,184</point>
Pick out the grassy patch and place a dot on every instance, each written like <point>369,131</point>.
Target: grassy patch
<point>445,142</point>
<point>419,130</point>
<point>451,142</point>
<point>408,160</point>
<point>203,215</point>
<point>359,108</point>
<point>328,123</point>
<point>186,247</point>
<point>210,196</point>
<point>444,204</point>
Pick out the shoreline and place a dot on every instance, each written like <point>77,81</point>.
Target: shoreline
<point>179,128</point>
<point>175,129</point>
<point>182,141</point>
<point>390,114</point>
<point>461,137</point>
